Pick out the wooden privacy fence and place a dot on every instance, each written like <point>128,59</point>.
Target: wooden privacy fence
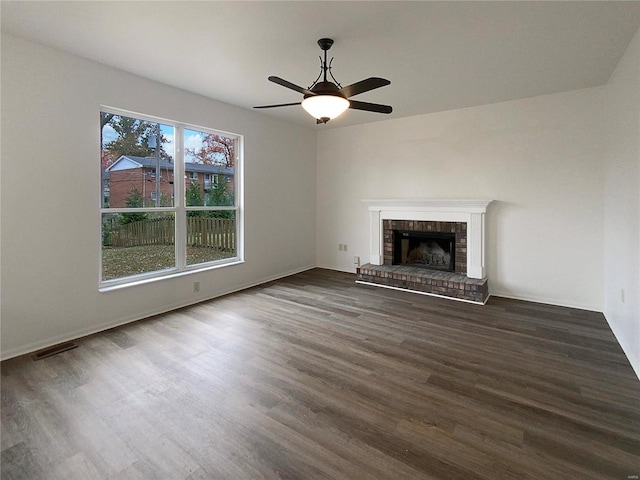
<point>207,232</point>
<point>217,233</point>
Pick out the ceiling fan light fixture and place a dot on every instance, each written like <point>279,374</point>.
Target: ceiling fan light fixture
<point>325,106</point>
<point>325,99</point>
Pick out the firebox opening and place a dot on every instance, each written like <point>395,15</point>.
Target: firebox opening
<point>432,250</point>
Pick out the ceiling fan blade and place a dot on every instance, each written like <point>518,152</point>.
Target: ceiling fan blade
<point>362,86</point>
<point>279,105</point>
<point>370,107</point>
<point>292,86</point>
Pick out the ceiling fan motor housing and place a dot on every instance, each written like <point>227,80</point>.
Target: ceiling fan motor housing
<point>325,88</point>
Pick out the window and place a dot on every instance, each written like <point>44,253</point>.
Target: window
<point>210,153</point>
<point>210,180</point>
<point>152,226</point>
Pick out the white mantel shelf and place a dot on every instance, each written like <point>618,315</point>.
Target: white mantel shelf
<point>471,212</point>
<point>456,205</point>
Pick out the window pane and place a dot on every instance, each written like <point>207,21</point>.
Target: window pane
<point>135,243</point>
<point>134,175</point>
<point>211,235</point>
<point>209,169</point>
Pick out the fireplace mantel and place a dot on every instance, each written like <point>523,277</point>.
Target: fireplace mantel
<point>440,210</point>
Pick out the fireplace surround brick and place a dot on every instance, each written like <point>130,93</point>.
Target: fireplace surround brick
<point>456,285</point>
<point>457,228</point>
<point>462,217</point>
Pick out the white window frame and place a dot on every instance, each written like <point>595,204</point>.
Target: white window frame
<point>179,209</point>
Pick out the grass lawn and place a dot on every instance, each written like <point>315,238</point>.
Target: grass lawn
<point>126,261</point>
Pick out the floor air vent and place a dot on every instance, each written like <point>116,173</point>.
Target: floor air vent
<point>48,352</point>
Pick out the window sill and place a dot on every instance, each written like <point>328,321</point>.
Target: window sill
<point>105,288</point>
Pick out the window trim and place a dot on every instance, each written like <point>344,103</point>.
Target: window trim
<point>179,208</point>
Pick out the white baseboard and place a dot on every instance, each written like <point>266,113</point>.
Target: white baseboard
<point>83,332</point>
<point>337,269</point>
<point>422,293</point>
<point>73,335</point>
<point>626,348</point>
<point>591,308</point>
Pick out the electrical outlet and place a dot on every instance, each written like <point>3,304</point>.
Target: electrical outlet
<point>196,287</point>
<point>345,247</point>
<point>622,295</point>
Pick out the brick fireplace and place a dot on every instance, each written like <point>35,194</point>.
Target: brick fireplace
<point>392,229</point>
<point>444,230</point>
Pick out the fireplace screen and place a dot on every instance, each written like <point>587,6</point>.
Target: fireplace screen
<point>431,250</point>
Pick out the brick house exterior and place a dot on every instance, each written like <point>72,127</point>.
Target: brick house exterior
<point>129,172</point>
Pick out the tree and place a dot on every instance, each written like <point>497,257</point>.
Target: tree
<point>134,200</point>
<point>105,118</point>
<point>220,197</point>
<point>133,138</point>
<point>165,201</point>
<point>194,198</point>
<point>215,150</point>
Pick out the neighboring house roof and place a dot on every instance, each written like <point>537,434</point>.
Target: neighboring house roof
<point>127,162</point>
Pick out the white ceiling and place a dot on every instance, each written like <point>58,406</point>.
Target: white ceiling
<point>438,55</point>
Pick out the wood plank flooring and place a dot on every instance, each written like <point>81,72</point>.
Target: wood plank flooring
<point>315,377</point>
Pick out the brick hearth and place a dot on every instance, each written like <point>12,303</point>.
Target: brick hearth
<point>446,284</point>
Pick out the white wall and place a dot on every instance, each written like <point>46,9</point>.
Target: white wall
<point>50,202</point>
<point>560,217</point>
<point>622,203</point>
<point>540,159</point>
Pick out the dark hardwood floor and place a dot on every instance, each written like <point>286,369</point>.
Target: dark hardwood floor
<point>315,377</point>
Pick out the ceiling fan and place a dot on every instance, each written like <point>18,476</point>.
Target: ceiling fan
<point>324,99</point>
